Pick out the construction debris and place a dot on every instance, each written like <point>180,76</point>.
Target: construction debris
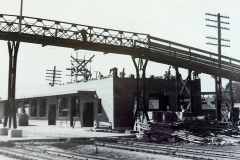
<point>198,131</point>
<point>102,126</point>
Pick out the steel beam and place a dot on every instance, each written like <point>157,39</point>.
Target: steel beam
<point>140,66</point>
<point>232,102</point>
<point>190,89</point>
<point>177,90</point>
<point>70,110</point>
<point>218,83</point>
<point>11,110</point>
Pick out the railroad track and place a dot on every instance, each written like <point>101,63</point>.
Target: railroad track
<point>195,153</point>
<point>34,153</point>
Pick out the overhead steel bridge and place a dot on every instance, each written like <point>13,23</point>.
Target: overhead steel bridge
<point>16,29</point>
<point>77,36</point>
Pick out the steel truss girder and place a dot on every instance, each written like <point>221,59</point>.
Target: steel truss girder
<point>175,54</point>
<point>10,108</point>
<point>50,32</point>
<point>185,85</point>
<point>188,89</point>
<point>140,66</point>
<point>69,31</point>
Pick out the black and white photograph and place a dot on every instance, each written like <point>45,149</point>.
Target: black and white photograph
<point>119,79</point>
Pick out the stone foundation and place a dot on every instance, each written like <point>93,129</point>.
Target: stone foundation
<point>14,133</point>
<point>3,131</point>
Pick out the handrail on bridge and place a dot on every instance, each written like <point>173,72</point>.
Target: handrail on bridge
<point>59,29</point>
<point>192,49</point>
<point>83,33</point>
<point>187,54</point>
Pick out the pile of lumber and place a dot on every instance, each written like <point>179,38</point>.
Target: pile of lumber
<point>196,131</point>
<point>208,127</point>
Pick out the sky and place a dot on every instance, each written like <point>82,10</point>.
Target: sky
<point>181,21</point>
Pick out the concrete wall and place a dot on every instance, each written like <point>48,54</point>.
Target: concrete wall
<point>89,91</point>
<point>2,109</point>
<point>93,90</point>
<point>125,88</point>
<point>104,91</point>
<point>197,104</point>
<point>85,98</point>
<point>116,95</point>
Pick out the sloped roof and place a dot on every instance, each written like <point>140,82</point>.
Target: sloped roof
<point>51,91</point>
<point>47,90</point>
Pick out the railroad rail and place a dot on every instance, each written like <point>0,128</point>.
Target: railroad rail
<point>181,151</point>
<point>29,152</point>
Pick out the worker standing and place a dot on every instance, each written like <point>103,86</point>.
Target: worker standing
<point>84,34</point>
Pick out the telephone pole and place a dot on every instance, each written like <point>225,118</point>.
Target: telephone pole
<point>53,74</point>
<point>218,80</point>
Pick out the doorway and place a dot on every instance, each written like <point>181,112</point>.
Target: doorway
<point>88,114</point>
<point>52,114</point>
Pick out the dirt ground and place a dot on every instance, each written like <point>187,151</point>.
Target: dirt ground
<point>112,153</point>
<point>105,152</point>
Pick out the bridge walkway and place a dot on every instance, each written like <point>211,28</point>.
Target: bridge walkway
<point>77,36</point>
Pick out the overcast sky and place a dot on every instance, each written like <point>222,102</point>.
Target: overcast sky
<point>181,21</point>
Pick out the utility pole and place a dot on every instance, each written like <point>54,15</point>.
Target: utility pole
<point>53,74</point>
<point>20,19</point>
<point>218,80</point>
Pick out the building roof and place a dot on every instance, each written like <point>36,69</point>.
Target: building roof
<point>51,91</point>
<point>47,90</point>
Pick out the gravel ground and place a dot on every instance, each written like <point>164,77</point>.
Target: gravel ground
<point>109,152</point>
<point>122,154</point>
<point>2,157</point>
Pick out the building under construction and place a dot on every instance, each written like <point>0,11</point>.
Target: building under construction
<point>110,99</point>
<point>117,100</point>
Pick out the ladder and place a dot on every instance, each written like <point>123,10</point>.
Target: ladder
<point>64,118</point>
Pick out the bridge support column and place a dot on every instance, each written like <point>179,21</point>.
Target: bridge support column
<point>140,66</point>
<point>218,85</point>
<point>187,95</point>
<point>232,102</point>
<point>190,89</point>
<point>11,110</point>
<point>177,90</point>
<point>70,110</point>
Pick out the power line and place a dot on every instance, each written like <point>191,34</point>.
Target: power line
<point>54,74</point>
<point>219,27</point>
<point>218,80</point>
